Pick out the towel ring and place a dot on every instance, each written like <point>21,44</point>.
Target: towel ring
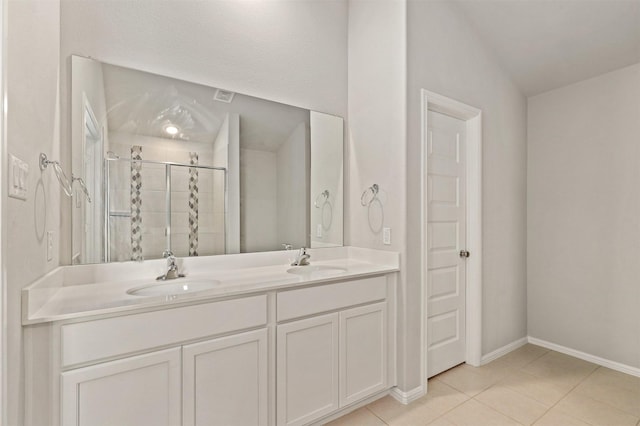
<point>325,195</point>
<point>67,185</point>
<point>367,199</point>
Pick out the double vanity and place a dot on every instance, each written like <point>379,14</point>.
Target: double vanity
<point>241,340</point>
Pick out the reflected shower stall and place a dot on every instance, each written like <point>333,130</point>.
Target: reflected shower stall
<point>154,206</point>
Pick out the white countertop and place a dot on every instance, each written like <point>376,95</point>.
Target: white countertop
<point>72,292</point>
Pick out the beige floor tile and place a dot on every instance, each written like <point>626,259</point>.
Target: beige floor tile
<point>470,380</point>
<point>439,399</point>
<point>535,387</point>
<point>441,421</point>
<point>607,376</point>
<point>611,392</point>
<point>359,417</point>
<point>594,412</point>
<point>499,368</point>
<point>390,410</point>
<point>556,417</point>
<point>473,413</point>
<point>513,404</point>
<point>524,355</point>
<point>561,369</point>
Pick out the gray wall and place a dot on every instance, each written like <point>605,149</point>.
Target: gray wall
<point>445,56</point>
<point>584,216</point>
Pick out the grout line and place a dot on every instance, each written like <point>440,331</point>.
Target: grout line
<point>379,418</point>
<point>566,395</point>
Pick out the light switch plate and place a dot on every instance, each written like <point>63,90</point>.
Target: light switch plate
<point>18,177</point>
<point>386,236</point>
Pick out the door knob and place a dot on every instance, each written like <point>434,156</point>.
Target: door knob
<point>464,253</point>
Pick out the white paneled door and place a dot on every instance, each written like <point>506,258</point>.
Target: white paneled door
<point>446,242</point>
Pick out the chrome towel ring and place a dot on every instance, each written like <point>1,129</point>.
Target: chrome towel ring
<point>67,186</point>
<point>369,195</point>
<point>321,199</point>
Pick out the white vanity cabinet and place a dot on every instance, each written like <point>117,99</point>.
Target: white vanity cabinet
<point>139,390</point>
<point>225,381</point>
<point>296,355</point>
<point>219,381</point>
<point>329,361</point>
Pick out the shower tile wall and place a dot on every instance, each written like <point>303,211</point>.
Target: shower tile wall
<point>211,227</point>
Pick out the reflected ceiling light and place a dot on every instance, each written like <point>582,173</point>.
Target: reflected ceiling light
<point>170,129</point>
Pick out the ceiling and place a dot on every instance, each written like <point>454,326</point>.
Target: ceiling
<point>546,44</point>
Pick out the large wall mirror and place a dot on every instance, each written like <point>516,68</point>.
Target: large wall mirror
<point>173,165</point>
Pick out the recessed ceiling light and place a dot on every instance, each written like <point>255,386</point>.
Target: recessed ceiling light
<point>171,130</point>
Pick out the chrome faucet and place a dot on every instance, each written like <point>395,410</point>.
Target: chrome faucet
<point>172,267</point>
<point>302,259</point>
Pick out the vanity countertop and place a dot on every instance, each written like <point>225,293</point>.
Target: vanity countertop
<point>71,292</point>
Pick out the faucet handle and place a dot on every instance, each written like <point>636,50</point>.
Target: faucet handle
<point>303,251</point>
<point>167,253</point>
<point>287,246</point>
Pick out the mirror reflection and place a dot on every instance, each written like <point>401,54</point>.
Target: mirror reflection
<point>175,166</point>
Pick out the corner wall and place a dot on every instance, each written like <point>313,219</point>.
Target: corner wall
<point>584,216</point>
<point>445,56</point>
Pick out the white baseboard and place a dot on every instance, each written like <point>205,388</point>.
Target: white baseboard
<point>503,350</point>
<point>407,397</point>
<point>623,368</point>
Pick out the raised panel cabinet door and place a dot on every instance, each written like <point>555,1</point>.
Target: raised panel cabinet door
<point>225,381</point>
<point>363,352</point>
<point>307,369</point>
<point>137,391</point>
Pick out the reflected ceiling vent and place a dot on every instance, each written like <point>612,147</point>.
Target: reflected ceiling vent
<point>224,96</point>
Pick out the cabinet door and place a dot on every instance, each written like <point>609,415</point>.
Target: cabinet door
<point>225,381</point>
<point>363,352</point>
<point>307,369</point>
<point>140,390</point>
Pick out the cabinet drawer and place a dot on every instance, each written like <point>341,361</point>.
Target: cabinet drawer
<point>313,300</point>
<point>94,340</point>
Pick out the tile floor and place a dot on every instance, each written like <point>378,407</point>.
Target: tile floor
<point>529,386</point>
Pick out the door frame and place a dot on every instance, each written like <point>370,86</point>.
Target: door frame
<point>473,117</point>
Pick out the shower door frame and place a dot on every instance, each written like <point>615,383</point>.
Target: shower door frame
<point>168,164</point>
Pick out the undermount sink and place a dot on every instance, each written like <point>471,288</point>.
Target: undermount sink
<point>173,288</point>
<point>316,271</point>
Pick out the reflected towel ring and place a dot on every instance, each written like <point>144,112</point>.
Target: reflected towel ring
<point>325,195</point>
<point>367,199</point>
<point>67,186</point>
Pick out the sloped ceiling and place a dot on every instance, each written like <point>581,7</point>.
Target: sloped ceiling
<point>546,44</point>
<point>142,103</point>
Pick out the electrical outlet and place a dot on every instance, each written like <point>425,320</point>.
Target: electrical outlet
<point>319,231</point>
<point>49,245</point>
<point>18,174</point>
<point>386,236</point>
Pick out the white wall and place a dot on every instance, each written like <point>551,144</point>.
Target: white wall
<point>445,56</point>
<point>584,216</point>
<point>292,170</point>
<point>376,143</point>
<point>32,127</point>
